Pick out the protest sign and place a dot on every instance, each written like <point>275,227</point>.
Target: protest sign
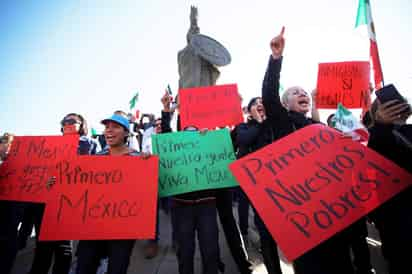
<point>191,161</point>
<point>210,107</point>
<point>344,82</point>
<point>311,184</point>
<point>30,164</point>
<point>102,197</point>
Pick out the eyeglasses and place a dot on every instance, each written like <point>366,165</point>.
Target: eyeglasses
<point>70,121</point>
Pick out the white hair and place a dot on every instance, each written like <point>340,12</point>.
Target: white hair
<point>284,98</point>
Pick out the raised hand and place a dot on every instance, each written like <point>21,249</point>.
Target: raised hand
<point>314,94</point>
<point>391,111</point>
<point>256,116</point>
<point>277,45</point>
<point>166,100</point>
<point>193,15</point>
<point>315,111</point>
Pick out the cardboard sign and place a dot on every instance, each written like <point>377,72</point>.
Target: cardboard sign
<point>102,197</point>
<point>190,161</point>
<point>345,82</point>
<point>210,107</point>
<point>30,163</point>
<point>314,183</point>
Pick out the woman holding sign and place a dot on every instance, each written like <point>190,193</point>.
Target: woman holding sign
<point>72,123</point>
<point>284,116</point>
<point>89,253</point>
<point>273,119</point>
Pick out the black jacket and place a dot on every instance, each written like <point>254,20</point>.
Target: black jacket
<point>279,122</point>
<point>393,219</point>
<point>166,119</point>
<point>384,140</point>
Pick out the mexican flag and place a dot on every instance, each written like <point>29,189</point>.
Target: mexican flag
<point>364,17</point>
<point>133,101</point>
<point>347,123</point>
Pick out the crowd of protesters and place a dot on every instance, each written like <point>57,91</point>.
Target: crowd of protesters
<point>269,117</point>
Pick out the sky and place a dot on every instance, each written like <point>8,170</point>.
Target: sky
<point>92,56</point>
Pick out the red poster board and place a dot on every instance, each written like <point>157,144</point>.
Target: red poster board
<point>313,183</point>
<point>343,82</point>
<point>30,163</point>
<point>102,197</point>
<point>210,107</point>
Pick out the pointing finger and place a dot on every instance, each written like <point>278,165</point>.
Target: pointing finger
<point>282,31</point>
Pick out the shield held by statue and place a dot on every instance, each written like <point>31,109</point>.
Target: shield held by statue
<point>210,50</point>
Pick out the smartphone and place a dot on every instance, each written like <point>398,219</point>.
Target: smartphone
<point>388,93</point>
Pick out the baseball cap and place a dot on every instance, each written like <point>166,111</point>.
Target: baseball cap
<point>117,119</point>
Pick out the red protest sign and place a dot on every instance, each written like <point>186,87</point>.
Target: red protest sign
<point>343,82</point>
<point>210,107</point>
<point>313,183</point>
<point>30,163</point>
<point>102,197</point>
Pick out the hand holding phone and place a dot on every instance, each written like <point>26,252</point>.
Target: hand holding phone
<point>390,97</point>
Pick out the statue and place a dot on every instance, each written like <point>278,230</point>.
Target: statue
<point>198,61</point>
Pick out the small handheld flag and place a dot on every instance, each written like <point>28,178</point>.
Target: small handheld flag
<point>133,101</point>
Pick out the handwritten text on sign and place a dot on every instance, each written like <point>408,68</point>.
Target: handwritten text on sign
<point>190,161</point>
<point>102,197</point>
<point>30,163</point>
<point>210,107</point>
<point>344,82</point>
<point>313,183</point>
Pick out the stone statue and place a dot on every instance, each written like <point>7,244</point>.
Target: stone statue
<point>198,61</point>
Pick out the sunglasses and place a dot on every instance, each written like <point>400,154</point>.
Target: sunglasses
<point>70,121</point>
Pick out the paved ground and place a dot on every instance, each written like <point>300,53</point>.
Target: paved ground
<point>165,262</point>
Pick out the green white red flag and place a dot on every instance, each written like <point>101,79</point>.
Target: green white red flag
<point>364,17</point>
<point>347,123</point>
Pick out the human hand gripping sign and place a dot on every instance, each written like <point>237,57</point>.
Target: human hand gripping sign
<point>313,95</point>
<point>277,45</point>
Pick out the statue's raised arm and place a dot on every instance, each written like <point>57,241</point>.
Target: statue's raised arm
<point>194,27</point>
<point>193,16</point>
